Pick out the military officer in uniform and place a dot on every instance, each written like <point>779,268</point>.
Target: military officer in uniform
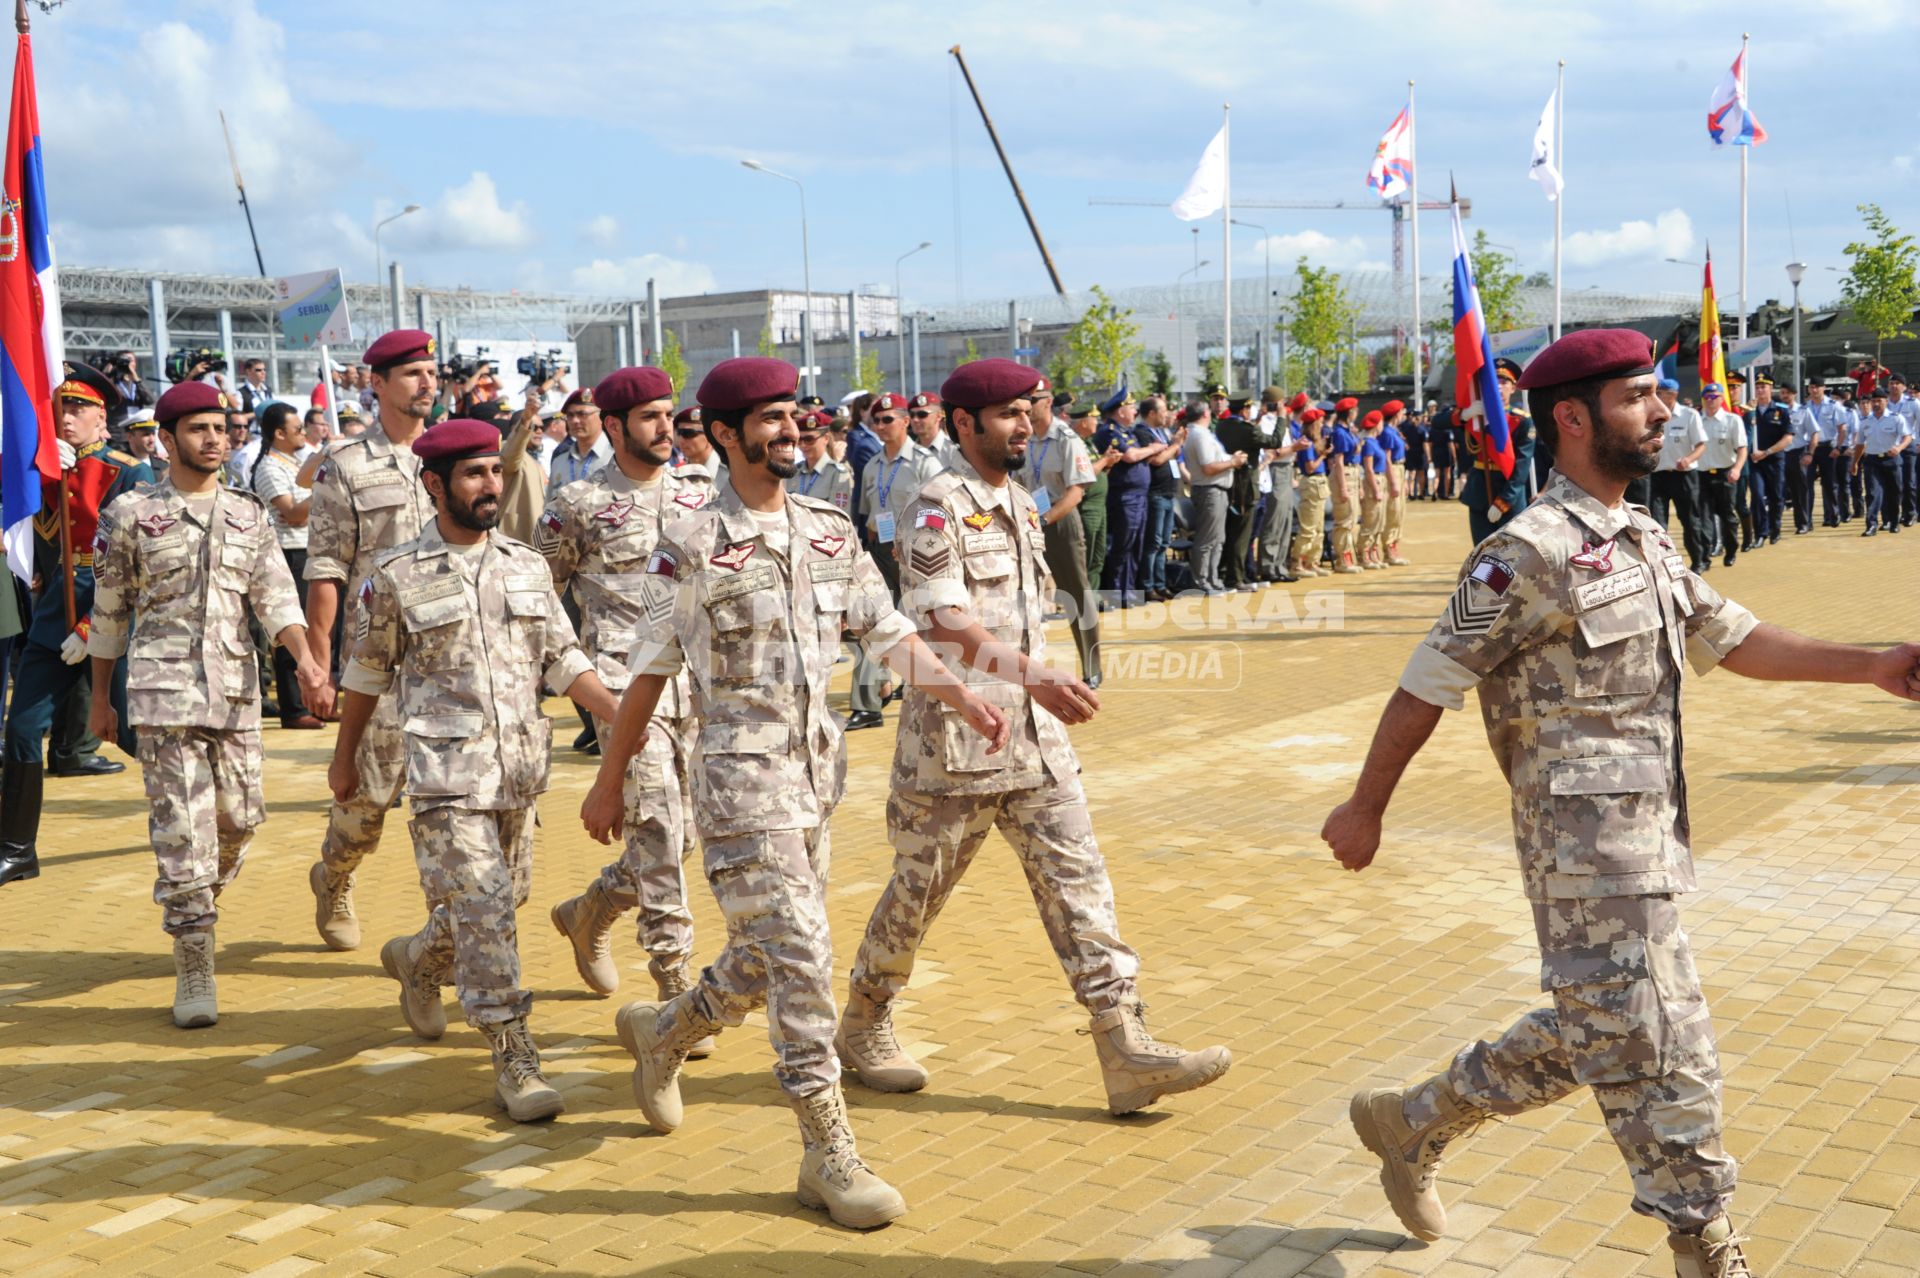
<point>1490,498</point>
<point>597,535</point>
<point>176,566</point>
<point>1573,622</point>
<point>1084,417</point>
<point>1720,468</point>
<point>1675,482</point>
<point>1773,435</point>
<point>821,475</point>
<point>1060,474</point>
<point>1881,437</point>
<point>891,478</point>
<point>926,422</point>
<point>1830,421</point>
<point>51,667</point>
<point>460,626</point>
<point>749,596</point>
<point>367,500</point>
<point>974,578</point>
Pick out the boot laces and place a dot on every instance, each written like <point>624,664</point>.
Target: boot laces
<point>878,1037</point>
<point>1143,1041</point>
<point>826,1127</point>
<point>1435,1142</point>
<point>519,1058</point>
<point>673,980</point>
<point>338,889</point>
<point>1726,1259</point>
<point>197,970</point>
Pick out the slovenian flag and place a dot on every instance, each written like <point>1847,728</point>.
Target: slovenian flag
<point>32,349</point>
<point>1729,121</point>
<point>1476,387</point>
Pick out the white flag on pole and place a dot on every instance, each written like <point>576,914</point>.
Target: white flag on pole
<point>1207,189</point>
<point>1545,168</point>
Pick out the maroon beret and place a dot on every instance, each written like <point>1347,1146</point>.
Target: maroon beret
<point>455,438</point>
<point>751,379</point>
<point>1343,405</point>
<point>818,420</point>
<point>925,399</point>
<point>691,413</point>
<point>189,397</point>
<point>885,402</point>
<point>991,381</point>
<point>1591,352</point>
<point>582,396</point>
<point>1391,407</point>
<point>401,346</point>
<point>627,388</point>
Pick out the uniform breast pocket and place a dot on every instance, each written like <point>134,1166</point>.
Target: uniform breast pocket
<point>378,505</point>
<point>526,615</point>
<point>1616,648</point>
<point>437,634</point>
<point>167,575</point>
<point>830,605</point>
<point>234,568</point>
<point>740,646</point>
<point>1605,812</point>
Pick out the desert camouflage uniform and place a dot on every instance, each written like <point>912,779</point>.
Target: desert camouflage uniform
<point>1574,621</point>
<point>469,635</point>
<point>367,499</point>
<point>980,549</point>
<point>597,535</point>
<point>755,616</point>
<point>181,579</point>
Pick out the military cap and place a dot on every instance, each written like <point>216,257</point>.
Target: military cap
<point>457,438</point>
<point>925,399</point>
<point>1712,388</point>
<point>89,385</point>
<point>585,395</point>
<point>140,419</point>
<point>886,402</point>
<point>1372,419</point>
<point>739,383</point>
<point>625,389</point>
<point>1239,401</point>
<point>1216,391</point>
<point>811,402</point>
<point>1061,399</point>
<point>1392,407</point>
<point>401,346</point>
<point>1590,353</point>
<point>1115,400</point>
<point>1299,401</point>
<point>183,398</point>
<point>496,411</point>
<point>350,411</point>
<point>1272,395</point>
<point>1764,380</point>
<point>1505,365</point>
<point>1085,408</point>
<point>818,419</point>
<point>690,415</point>
<point>991,381</point>
<point>1667,383</point>
<point>1345,404</point>
<point>1878,392</point>
<point>1891,377</point>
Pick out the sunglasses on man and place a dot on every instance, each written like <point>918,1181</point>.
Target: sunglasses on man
<point>684,433</point>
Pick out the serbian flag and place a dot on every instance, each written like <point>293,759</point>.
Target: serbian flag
<point>1729,121</point>
<point>1713,352</point>
<point>1391,173</point>
<point>32,349</point>
<point>1476,389</point>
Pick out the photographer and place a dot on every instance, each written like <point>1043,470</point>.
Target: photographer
<point>124,373</point>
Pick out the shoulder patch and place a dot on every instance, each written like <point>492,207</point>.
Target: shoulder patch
<point>931,517</point>
<point>1493,572</point>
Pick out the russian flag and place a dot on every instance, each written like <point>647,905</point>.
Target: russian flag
<point>32,348</point>
<point>1729,120</point>
<point>1476,388</point>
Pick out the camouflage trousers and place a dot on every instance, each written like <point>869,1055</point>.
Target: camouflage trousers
<point>476,868</point>
<point>659,836</point>
<point>772,889</point>
<point>203,792</point>
<point>1630,1021</point>
<point>353,827</point>
<point>934,840</point>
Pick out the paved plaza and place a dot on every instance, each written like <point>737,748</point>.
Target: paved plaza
<point>310,1133</point>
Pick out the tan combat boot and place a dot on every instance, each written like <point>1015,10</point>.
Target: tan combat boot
<point>673,978</point>
<point>658,1037</point>
<point>1409,1157</point>
<point>831,1173</point>
<point>333,913</point>
<point>419,990</point>
<point>587,922</point>
<point>195,1000</point>
<point>518,1083</point>
<point>1395,558</point>
<point>1138,1070</point>
<point>866,1045</point>
<point>1714,1252</point>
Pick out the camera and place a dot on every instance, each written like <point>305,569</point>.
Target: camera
<point>542,368</point>
<point>120,366</point>
<point>189,362</point>
<point>459,368</point>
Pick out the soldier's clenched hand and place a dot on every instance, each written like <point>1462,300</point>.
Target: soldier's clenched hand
<point>1897,670</point>
<point>1353,833</point>
<point>601,811</point>
<point>987,720</point>
<point>1063,695</point>
<point>102,722</point>
<point>343,776</point>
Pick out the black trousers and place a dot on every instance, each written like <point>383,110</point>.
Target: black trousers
<point>1679,490</point>
<point>1882,476</point>
<point>1833,492</point>
<point>286,686</point>
<point>1769,496</point>
<point>1800,481</point>
<point>1719,508</point>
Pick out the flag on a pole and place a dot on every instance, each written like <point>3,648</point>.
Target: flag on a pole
<point>1207,189</point>
<point>32,348</point>
<point>1476,387</point>
<point>1713,355</point>
<point>1392,172</point>
<point>1729,121</point>
<point>1545,168</point>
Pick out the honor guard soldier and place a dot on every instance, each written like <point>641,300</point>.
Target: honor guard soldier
<point>750,597</point>
<point>51,667</point>
<point>597,535</point>
<point>177,564</point>
<point>367,500</point>
<point>821,475</point>
<point>458,628</point>
<point>974,578</point>
<point>1491,499</point>
<point>1573,622</point>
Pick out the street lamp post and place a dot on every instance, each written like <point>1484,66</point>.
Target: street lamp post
<point>1266,325</point>
<point>1796,271</point>
<point>1180,313</point>
<point>806,270</point>
<point>378,267</point>
<point>900,307</point>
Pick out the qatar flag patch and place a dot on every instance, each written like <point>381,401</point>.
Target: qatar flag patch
<point>662,563</point>
<point>1494,573</point>
<point>930,518</point>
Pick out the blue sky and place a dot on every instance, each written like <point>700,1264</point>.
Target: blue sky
<point>583,145</point>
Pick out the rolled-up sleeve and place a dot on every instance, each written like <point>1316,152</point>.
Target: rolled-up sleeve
<point>381,641</point>
<point>1716,626</point>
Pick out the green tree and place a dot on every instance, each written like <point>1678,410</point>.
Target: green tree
<point>868,377</point>
<point>765,346</point>
<point>1210,371</point>
<point>1324,315</point>
<point>1102,343</point>
<point>1155,373</point>
<point>1499,283</point>
<point>971,353</point>
<point>1880,287</point>
<point>672,362</point>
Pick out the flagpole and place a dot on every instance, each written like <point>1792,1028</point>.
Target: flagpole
<point>1413,213</point>
<point>1560,162</point>
<point>1226,247</point>
<point>1746,72</point>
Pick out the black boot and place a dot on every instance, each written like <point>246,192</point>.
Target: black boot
<point>20,790</point>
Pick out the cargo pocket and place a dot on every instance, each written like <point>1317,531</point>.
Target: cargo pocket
<point>964,750</point>
<point>1601,808</point>
<point>1615,1031</point>
<point>437,762</point>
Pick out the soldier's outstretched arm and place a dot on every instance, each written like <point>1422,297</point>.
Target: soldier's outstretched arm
<point>913,661</point>
<point>1062,693</point>
<point>1774,652</point>
<point>601,811</point>
<point>1352,830</point>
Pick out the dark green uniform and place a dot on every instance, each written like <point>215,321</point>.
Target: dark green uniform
<point>1093,516</point>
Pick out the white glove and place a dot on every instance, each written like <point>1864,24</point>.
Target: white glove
<point>1493,514</point>
<point>67,456</point>
<point>73,649</point>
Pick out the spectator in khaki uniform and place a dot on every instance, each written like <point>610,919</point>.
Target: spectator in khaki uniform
<point>459,627</point>
<point>1573,621</point>
<point>973,575</point>
<point>750,596</point>
<point>1059,472</point>
<point>176,566</point>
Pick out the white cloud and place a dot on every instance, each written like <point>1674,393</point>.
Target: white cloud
<point>628,277</point>
<point>1669,235</point>
<point>602,232</point>
<point>469,216</point>
<point>1320,249</point>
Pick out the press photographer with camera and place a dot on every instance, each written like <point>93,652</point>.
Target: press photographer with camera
<point>124,372</point>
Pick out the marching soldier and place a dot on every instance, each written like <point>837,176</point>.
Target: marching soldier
<point>459,627</point>
<point>176,565</point>
<point>597,535</point>
<point>750,596</point>
<point>821,476</point>
<point>974,578</point>
<point>92,476</point>
<point>1572,622</point>
<point>1490,499</point>
<point>367,499</point>
<point>1720,467</point>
